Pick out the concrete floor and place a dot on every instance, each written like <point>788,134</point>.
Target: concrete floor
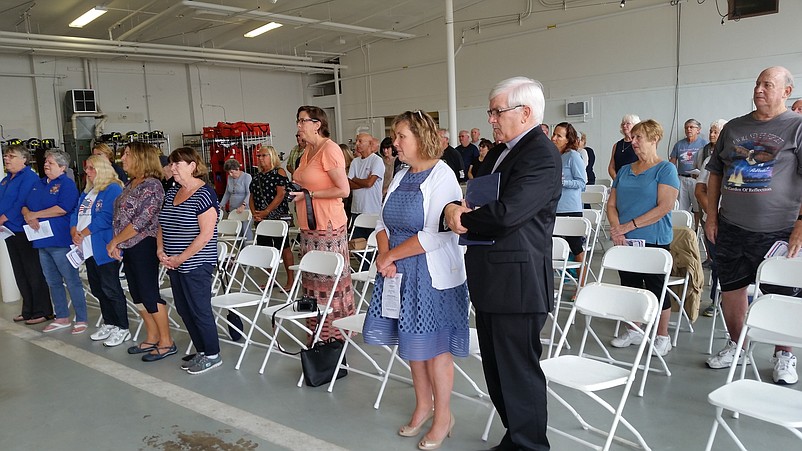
<point>64,392</point>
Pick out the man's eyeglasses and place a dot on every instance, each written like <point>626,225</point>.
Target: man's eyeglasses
<point>496,112</point>
<point>305,119</point>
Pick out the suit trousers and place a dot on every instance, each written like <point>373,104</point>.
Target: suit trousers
<point>511,349</point>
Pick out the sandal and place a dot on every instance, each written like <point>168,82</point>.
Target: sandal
<point>79,328</point>
<point>19,318</point>
<point>33,321</point>
<point>56,325</point>
<point>138,349</point>
<point>169,350</point>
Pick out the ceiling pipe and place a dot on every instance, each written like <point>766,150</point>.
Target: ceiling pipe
<point>109,49</point>
<point>146,23</point>
<point>296,20</point>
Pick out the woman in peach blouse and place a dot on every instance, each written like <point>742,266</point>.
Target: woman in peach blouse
<point>321,173</point>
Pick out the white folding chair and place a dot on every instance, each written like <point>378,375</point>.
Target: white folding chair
<point>325,264</point>
<point>276,229</point>
<point>573,227</point>
<point>366,278</point>
<point>264,259</point>
<point>246,217</point>
<point>589,376</point>
<point>649,260</point>
<point>364,220</point>
<point>782,271</point>
<point>559,259</point>
<point>366,256</point>
<point>595,218</point>
<point>680,218</point>
<point>778,317</point>
<point>230,232</point>
<point>597,199</point>
<point>717,313</point>
<point>604,182</point>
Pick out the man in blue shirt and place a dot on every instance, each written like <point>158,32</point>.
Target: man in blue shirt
<point>683,156</point>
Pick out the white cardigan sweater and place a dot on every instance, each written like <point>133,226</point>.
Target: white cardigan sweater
<point>443,253</point>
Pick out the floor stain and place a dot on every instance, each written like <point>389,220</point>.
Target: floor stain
<point>195,441</point>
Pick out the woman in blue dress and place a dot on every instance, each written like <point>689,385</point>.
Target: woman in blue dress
<point>429,320</point>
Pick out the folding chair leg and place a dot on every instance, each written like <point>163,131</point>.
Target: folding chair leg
<point>393,355</point>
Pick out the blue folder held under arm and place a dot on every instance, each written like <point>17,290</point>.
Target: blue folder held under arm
<point>480,192</point>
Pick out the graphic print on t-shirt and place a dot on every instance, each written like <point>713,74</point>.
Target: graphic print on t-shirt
<point>752,162</point>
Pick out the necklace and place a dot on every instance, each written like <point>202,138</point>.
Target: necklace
<point>624,146</point>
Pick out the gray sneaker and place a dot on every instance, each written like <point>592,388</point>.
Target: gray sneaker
<point>191,362</point>
<point>204,364</point>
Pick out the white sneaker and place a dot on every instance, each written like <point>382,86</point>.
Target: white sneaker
<point>724,357</point>
<point>662,345</point>
<point>118,337</point>
<point>784,368</point>
<point>103,333</point>
<point>628,338</point>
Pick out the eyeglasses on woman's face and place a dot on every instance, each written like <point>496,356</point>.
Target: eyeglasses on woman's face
<point>305,119</point>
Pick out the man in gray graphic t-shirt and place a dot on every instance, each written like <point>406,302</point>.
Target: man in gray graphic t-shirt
<point>756,172</point>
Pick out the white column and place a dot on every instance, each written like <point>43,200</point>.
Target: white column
<point>452,84</point>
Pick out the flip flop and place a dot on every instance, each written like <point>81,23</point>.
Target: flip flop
<point>79,328</point>
<point>33,321</point>
<point>19,318</point>
<point>55,325</point>
<point>137,349</point>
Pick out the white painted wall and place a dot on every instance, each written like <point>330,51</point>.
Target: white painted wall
<point>172,97</point>
<point>622,59</point>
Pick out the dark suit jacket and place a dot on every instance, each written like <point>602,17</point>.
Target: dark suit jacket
<point>514,275</point>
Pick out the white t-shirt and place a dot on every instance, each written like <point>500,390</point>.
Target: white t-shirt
<point>84,219</point>
<point>367,200</point>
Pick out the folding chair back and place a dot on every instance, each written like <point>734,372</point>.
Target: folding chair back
<point>682,218</point>
<point>273,229</point>
<point>783,271</point>
<point>229,228</point>
<point>595,218</point>
<point>597,189</point>
<point>650,260</point>
<point>364,220</point>
<point>779,316</point>
<point>567,226</point>
<point>595,199</point>
<point>244,216</point>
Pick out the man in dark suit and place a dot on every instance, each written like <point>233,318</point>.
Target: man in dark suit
<point>510,281</point>
<point>450,155</point>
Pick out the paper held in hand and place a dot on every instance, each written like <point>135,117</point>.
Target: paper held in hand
<point>45,231</point>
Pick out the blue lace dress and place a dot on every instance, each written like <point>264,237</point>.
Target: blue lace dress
<point>431,322</point>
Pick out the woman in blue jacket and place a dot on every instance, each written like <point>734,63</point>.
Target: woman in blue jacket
<point>91,230</point>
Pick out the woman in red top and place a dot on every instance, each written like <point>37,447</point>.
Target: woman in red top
<point>322,173</point>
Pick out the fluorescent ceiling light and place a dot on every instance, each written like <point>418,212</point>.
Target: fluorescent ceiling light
<point>263,29</point>
<point>88,16</point>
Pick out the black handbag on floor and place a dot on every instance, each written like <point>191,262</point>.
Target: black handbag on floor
<point>320,361</point>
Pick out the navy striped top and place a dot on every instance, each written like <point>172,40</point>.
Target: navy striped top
<point>180,226</point>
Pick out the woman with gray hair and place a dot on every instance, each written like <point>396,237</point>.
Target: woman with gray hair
<point>238,192</point>
<point>707,150</point>
<point>14,189</point>
<point>623,153</point>
<point>52,200</point>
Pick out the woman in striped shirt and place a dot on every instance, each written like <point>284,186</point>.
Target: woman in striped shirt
<point>187,247</point>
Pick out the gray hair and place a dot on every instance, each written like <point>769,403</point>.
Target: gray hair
<point>18,151</point>
<point>718,124</point>
<point>694,122</point>
<point>522,91</point>
<point>444,133</point>
<point>62,158</point>
<point>231,165</point>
